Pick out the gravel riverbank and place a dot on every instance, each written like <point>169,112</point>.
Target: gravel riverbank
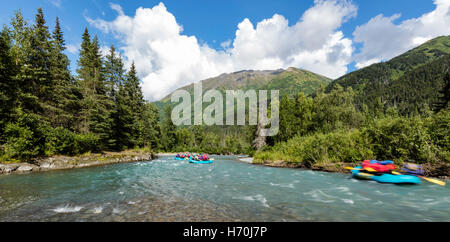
<point>67,162</point>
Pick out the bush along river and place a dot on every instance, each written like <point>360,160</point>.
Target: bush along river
<point>227,190</point>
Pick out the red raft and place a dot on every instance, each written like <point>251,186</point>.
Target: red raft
<point>379,167</point>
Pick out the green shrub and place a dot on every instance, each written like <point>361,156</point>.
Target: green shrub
<point>339,146</point>
<point>401,139</point>
<point>87,143</point>
<point>439,129</point>
<point>62,142</point>
<point>26,138</point>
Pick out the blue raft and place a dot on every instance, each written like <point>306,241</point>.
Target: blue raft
<point>386,178</point>
<point>200,161</point>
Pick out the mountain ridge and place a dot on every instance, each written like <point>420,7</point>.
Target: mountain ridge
<point>377,80</point>
<point>397,66</point>
<point>289,81</point>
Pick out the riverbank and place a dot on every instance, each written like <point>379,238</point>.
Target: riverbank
<point>73,162</point>
<point>168,154</point>
<point>438,170</point>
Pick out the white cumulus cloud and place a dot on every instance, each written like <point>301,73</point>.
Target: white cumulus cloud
<point>73,49</point>
<point>383,39</point>
<point>166,59</point>
<point>56,3</point>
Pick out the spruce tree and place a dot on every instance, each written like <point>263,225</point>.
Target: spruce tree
<point>114,72</point>
<point>134,91</point>
<point>21,50</point>
<point>123,120</point>
<point>39,59</point>
<point>129,115</point>
<point>8,86</point>
<point>65,95</point>
<point>444,95</point>
<point>136,103</point>
<point>114,75</point>
<point>151,130</point>
<point>168,130</point>
<point>96,106</point>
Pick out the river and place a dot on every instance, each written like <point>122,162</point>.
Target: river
<point>227,190</point>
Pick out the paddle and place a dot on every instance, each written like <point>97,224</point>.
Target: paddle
<point>435,181</point>
<point>356,169</point>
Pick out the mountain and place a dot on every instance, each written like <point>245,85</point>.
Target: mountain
<point>418,89</point>
<point>409,82</point>
<point>288,82</point>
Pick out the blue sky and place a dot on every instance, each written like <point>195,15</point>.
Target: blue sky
<point>214,22</point>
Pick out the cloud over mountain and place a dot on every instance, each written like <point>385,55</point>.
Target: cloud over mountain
<point>383,39</point>
<point>166,59</point>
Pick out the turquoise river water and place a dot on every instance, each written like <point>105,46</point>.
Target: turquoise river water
<point>227,190</point>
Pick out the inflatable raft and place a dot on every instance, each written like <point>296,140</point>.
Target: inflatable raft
<point>200,161</point>
<point>385,178</point>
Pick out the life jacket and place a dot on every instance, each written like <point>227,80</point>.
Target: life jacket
<point>413,169</point>
<point>386,162</point>
<point>379,167</point>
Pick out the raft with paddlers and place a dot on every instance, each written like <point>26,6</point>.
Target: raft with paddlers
<point>360,173</point>
<point>182,157</point>
<point>384,172</point>
<point>201,159</point>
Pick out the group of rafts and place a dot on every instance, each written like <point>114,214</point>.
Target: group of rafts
<point>195,159</point>
<point>385,172</point>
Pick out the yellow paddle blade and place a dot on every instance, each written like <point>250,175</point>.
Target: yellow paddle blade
<point>435,181</point>
<point>365,174</point>
<point>356,169</point>
<point>351,168</point>
<point>396,173</point>
<point>370,169</point>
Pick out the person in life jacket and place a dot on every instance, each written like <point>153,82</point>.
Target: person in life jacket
<point>413,169</point>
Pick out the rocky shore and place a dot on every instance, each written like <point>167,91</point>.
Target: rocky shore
<point>67,162</point>
<point>439,170</point>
